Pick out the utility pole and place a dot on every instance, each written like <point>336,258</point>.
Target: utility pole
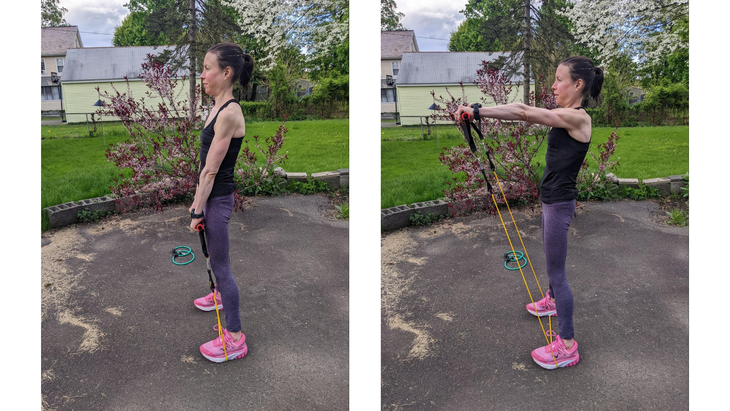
<point>526,56</point>
<point>193,74</point>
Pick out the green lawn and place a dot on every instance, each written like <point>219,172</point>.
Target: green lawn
<point>411,171</point>
<point>78,130</point>
<point>74,169</point>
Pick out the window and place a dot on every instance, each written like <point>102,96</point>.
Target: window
<point>386,95</point>
<point>59,65</point>
<point>43,66</point>
<point>50,93</point>
<point>394,66</point>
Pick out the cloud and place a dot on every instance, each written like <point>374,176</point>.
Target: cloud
<point>432,20</point>
<point>95,16</point>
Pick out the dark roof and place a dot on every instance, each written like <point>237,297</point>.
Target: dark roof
<point>56,40</point>
<point>444,67</point>
<point>108,63</point>
<point>394,43</point>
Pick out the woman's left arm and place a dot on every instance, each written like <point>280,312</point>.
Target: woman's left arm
<point>224,128</point>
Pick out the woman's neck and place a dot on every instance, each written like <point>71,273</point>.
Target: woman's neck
<point>574,103</point>
<point>223,96</point>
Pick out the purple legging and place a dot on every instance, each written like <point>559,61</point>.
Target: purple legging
<point>217,213</point>
<point>556,219</point>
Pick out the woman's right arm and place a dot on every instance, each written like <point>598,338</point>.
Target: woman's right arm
<point>196,191</point>
<point>560,118</point>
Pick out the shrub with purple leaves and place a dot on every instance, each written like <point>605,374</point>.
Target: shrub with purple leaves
<point>163,148</point>
<point>512,146</point>
<point>590,178</point>
<point>259,177</point>
<point>162,151</point>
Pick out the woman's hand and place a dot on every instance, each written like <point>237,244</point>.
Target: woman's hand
<point>463,109</point>
<point>195,221</point>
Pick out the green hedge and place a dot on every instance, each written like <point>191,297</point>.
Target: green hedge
<point>304,109</point>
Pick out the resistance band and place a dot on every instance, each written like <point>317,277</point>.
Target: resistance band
<point>200,228</point>
<point>466,123</point>
<point>182,251</point>
<point>509,258</point>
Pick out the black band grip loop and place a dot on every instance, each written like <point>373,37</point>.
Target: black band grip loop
<point>200,228</point>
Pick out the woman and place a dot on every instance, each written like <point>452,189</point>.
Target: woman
<point>220,143</point>
<point>576,78</point>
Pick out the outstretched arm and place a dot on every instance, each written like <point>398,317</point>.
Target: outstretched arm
<point>562,118</point>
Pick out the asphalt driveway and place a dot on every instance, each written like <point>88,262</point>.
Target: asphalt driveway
<point>456,336</point>
<point>120,332</point>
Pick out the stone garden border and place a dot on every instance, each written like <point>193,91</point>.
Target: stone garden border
<point>400,216</point>
<point>65,214</point>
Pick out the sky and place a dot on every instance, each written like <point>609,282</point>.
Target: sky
<point>96,19</point>
<point>432,20</point>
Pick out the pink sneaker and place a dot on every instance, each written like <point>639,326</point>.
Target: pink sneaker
<point>213,350</point>
<point>206,303</point>
<point>544,307</point>
<point>543,356</point>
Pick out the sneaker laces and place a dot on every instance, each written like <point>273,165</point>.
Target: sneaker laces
<point>218,342</point>
<point>209,298</point>
<point>557,346</point>
<point>230,343</point>
<point>546,301</point>
<point>543,304</point>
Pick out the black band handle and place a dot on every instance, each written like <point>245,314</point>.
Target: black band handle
<point>200,228</point>
<point>467,134</point>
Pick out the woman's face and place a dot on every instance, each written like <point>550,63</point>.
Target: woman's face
<point>213,78</point>
<point>564,88</point>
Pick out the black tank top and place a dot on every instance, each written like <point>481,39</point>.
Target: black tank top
<point>563,160</point>
<point>223,184</point>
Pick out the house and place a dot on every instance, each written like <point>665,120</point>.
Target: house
<point>90,67</point>
<point>55,43</point>
<point>392,46</point>
<point>635,95</point>
<point>422,73</point>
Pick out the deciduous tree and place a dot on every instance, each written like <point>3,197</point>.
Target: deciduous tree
<point>132,32</point>
<point>191,25</point>
<point>389,17</point>
<point>318,27</point>
<point>52,14</point>
<point>532,30</point>
<point>647,29</point>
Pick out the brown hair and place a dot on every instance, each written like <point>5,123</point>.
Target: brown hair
<point>231,55</point>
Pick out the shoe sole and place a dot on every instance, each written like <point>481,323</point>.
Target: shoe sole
<point>230,356</point>
<point>207,308</point>
<point>561,364</point>
<point>552,313</point>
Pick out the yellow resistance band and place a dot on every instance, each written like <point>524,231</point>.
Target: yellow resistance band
<point>220,329</point>
<point>528,259</point>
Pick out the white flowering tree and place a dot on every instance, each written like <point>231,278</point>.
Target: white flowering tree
<point>318,27</point>
<point>644,29</point>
